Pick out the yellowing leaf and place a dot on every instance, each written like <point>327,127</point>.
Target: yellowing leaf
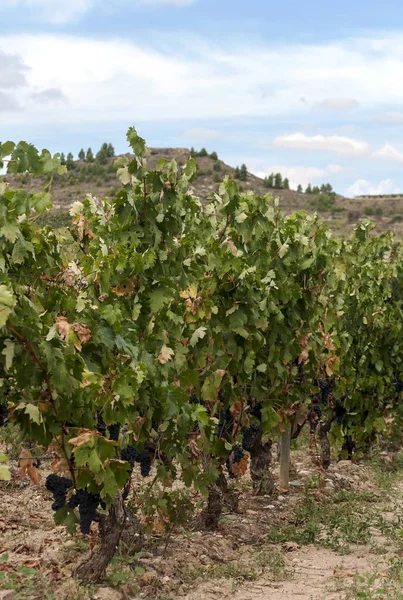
<point>199,334</point>
<point>165,355</point>
<point>5,474</point>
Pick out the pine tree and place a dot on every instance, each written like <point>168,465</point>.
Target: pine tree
<point>299,188</point>
<point>243,176</point>
<point>308,189</point>
<point>286,184</point>
<point>102,154</point>
<point>214,156</point>
<point>89,157</point>
<point>278,180</point>
<point>81,154</point>
<point>62,159</point>
<point>237,173</point>
<point>270,181</point>
<point>203,152</point>
<point>315,190</point>
<point>70,164</point>
<point>110,151</point>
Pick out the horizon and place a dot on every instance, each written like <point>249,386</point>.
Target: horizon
<point>250,84</point>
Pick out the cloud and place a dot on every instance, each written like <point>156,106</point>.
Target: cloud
<point>363,187</point>
<point>339,145</point>
<point>338,104</point>
<point>389,117</point>
<point>7,102</point>
<point>133,81</point>
<point>12,71</point>
<point>388,153</point>
<point>51,10</point>
<point>49,95</point>
<point>202,134</point>
<point>301,174</point>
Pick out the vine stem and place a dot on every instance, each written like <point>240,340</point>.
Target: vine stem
<point>31,350</point>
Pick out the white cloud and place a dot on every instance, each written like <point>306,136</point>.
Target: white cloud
<point>338,104</point>
<point>389,153</point>
<point>363,187</point>
<point>389,117</point>
<point>202,134</point>
<point>339,145</point>
<point>132,81</point>
<point>52,10</point>
<point>301,174</point>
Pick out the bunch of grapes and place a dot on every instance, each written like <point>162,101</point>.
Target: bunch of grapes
<point>225,422</point>
<point>100,426</point>
<point>59,487</point>
<point>248,436</point>
<point>87,506</point>
<point>325,387</point>
<point>236,455</point>
<point>3,414</point>
<point>398,384</point>
<point>145,458</point>
<point>131,454</point>
<point>339,411</point>
<point>114,431</point>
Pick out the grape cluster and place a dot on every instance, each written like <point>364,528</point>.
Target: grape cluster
<point>225,422</point>
<point>339,411</point>
<point>248,436</point>
<point>59,487</point>
<point>256,411</point>
<point>398,384</point>
<point>145,458</point>
<point>87,506</point>
<point>100,425</point>
<point>236,455</point>
<point>114,431</point>
<point>3,414</point>
<point>131,454</point>
<point>325,387</point>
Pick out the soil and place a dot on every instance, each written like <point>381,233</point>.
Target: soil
<point>239,560</point>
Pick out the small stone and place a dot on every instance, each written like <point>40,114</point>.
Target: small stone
<point>107,594</point>
<point>269,507</point>
<point>7,595</point>
<point>280,498</point>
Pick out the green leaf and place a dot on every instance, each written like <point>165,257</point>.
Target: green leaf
<point>136,142</point>
<point>34,413</point>
<point>160,297</point>
<point>94,462</point>
<point>3,458</point>
<point>8,352</point>
<point>5,474</point>
<point>10,231</point>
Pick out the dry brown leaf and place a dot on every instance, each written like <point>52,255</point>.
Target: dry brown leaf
<point>125,287</point>
<point>239,469</point>
<point>63,327</point>
<point>83,437</point>
<point>82,332</point>
<point>27,467</point>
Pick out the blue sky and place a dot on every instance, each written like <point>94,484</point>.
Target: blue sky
<point>311,88</point>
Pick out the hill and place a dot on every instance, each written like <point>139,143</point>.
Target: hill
<point>100,179</point>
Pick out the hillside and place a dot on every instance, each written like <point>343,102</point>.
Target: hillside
<point>100,180</point>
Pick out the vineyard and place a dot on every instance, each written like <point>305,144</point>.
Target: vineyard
<point>160,357</point>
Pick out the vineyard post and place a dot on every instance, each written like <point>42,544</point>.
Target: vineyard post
<point>285,458</point>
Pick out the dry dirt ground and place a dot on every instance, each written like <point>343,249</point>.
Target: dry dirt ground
<point>335,535</point>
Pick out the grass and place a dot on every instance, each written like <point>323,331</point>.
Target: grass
<point>381,586</point>
<point>347,519</point>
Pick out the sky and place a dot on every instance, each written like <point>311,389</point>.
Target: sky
<point>310,88</point>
